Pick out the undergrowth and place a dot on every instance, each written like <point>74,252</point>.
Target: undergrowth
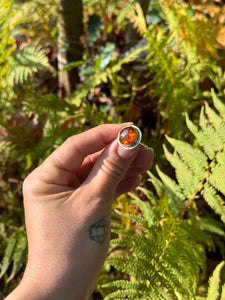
<point>162,243</point>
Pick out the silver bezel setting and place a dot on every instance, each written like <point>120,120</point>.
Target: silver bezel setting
<point>135,143</point>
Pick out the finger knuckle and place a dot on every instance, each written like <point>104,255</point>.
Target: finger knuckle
<point>30,182</point>
<point>112,169</point>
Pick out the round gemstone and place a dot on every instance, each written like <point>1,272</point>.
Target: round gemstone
<point>128,136</point>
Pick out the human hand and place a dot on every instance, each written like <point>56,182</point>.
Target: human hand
<point>67,203</point>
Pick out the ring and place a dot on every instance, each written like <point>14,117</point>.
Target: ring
<point>129,137</point>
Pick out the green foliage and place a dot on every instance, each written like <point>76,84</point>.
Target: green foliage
<point>158,249</point>
<point>216,289</point>
<point>27,61</point>
<point>38,21</point>
<point>8,20</point>
<point>15,253</point>
<point>178,62</point>
<point>162,259</point>
<point>199,169</point>
<point>164,254</point>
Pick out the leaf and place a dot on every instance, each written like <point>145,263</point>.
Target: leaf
<point>214,200</point>
<point>215,282</point>
<point>201,137</point>
<point>193,157</point>
<point>184,174</point>
<point>218,104</point>
<point>8,255</point>
<point>176,196</point>
<point>72,65</point>
<point>27,60</point>
<point>105,56</point>
<point>159,257</point>
<point>94,25</point>
<point>19,255</point>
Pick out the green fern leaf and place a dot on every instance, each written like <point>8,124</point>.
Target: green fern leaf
<point>176,196</point>
<point>209,132</point>
<point>214,292</point>
<point>11,244</point>
<point>214,200</point>
<point>15,253</point>
<point>184,174</point>
<point>160,257</point>
<point>216,121</point>
<point>194,158</point>
<point>158,185</point>
<point>150,196</point>
<point>218,168</point>
<point>218,104</point>
<point>223,293</point>
<point>144,206</point>
<point>121,294</point>
<point>27,60</point>
<point>19,256</point>
<point>201,137</point>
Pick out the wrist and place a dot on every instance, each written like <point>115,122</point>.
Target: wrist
<point>35,288</point>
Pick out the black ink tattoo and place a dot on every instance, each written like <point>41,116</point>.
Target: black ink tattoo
<point>98,231</point>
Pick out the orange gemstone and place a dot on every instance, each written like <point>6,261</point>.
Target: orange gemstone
<point>128,136</point>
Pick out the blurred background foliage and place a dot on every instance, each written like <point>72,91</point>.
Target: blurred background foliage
<point>152,62</point>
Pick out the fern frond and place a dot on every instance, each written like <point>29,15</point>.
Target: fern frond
<point>124,294</point>
<point>218,168</point>
<point>216,283</point>
<point>11,244</point>
<point>158,185</point>
<point>209,132</point>
<point>217,122</point>
<point>124,11</point>
<point>28,60</point>
<point>200,136</point>
<point>133,217</point>
<point>136,17</point>
<point>214,200</point>
<point>199,172</point>
<point>144,206</point>
<point>19,256</point>
<point>15,253</point>
<point>218,104</point>
<point>194,158</point>
<point>159,258</point>
<point>88,86</point>
<point>176,196</point>
<point>150,196</point>
<point>185,175</point>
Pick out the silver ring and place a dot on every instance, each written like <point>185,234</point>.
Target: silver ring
<point>129,137</point>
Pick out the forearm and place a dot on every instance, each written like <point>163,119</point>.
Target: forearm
<point>60,276</point>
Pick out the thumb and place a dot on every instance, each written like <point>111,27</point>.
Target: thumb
<point>110,168</point>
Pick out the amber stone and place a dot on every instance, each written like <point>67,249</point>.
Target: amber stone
<point>128,136</point>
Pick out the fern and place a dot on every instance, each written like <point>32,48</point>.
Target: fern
<point>15,253</point>
<point>9,19</point>
<point>27,60</point>
<point>200,169</point>
<point>136,17</point>
<point>216,289</point>
<point>104,76</point>
<point>38,21</point>
<point>177,63</point>
<point>162,260</point>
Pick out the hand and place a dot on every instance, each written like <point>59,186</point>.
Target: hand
<point>67,203</point>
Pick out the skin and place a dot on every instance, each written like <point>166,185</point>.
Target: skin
<point>67,201</point>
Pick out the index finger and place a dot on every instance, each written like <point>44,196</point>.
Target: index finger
<point>70,155</point>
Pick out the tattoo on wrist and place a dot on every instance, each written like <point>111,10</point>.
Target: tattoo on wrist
<point>98,231</point>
